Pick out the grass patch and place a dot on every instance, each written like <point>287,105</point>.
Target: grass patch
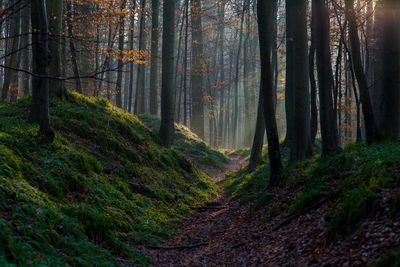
<point>104,182</point>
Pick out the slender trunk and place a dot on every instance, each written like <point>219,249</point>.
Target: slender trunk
<point>121,46</point>
<point>197,122</point>
<point>391,70</point>
<point>154,57</point>
<point>140,103</point>
<point>39,112</point>
<point>328,121</point>
<point>370,126</point>
<point>265,22</point>
<point>75,67</point>
<point>167,129</point>
<point>55,12</point>
<point>301,143</point>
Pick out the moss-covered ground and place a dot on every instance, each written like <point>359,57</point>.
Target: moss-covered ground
<point>188,143</point>
<point>351,180</point>
<point>104,185</point>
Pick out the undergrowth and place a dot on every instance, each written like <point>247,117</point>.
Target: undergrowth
<point>351,179</point>
<point>104,183</point>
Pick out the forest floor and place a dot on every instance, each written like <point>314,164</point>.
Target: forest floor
<point>233,235</point>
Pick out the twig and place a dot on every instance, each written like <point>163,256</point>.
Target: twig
<point>179,247</point>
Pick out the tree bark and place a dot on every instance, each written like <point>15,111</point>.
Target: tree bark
<point>39,112</point>
<point>328,121</point>
<point>370,126</point>
<point>197,120</point>
<point>265,27</point>
<point>55,12</point>
<point>154,57</point>
<point>167,129</point>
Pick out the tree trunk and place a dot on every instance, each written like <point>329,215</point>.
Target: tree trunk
<point>140,104</point>
<point>12,60</point>
<point>154,57</point>
<point>121,46</point>
<point>197,121</point>
<point>75,67</point>
<point>391,70</point>
<point>370,126</point>
<point>41,58</point>
<point>265,27</point>
<point>168,76</point>
<point>300,143</point>
<point>328,121</point>
<point>55,10</point>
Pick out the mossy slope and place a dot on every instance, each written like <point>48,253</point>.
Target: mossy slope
<point>188,143</point>
<point>353,181</point>
<point>104,183</point>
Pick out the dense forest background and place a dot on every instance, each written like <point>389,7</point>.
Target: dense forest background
<point>113,49</point>
<point>119,118</point>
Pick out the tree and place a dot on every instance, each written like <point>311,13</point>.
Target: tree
<point>328,121</point>
<point>265,27</point>
<point>197,121</point>
<point>41,58</point>
<point>370,125</point>
<point>140,104</point>
<point>297,71</point>
<point>154,57</point>
<point>168,74</point>
<point>13,58</point>
<point>391,70</point>
<point>55,12</point>
<point>121,46</point>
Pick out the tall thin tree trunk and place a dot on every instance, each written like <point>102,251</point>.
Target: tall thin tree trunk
<point>265,26</point>
<point>55,10</point>
<point>140,104</point>
<point>39,112</point>
<point>154,57</point>
<point>328,121</point>
<point>370,125</point>
<point>121,46</point>
<point>168,74</point>
<point>198,65</point>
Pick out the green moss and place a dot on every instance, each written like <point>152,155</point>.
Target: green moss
<point>188,143</point>
<point>350,179</point>
<point>391,259</point>
<point>353,207</point>
<point>104,182</point>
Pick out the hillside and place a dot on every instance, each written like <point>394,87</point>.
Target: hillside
<point>104,185</point>
<point>342,209</point>
<point>189,143</point>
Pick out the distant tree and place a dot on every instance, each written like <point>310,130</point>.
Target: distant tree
<point>41,58</point>
<point>168,74</point>
<point>154,56</point>
<point>197,121</point>
<point>13,58</point>
<point>265,28</point>
<point>121,47</point>
<point>140,103</point>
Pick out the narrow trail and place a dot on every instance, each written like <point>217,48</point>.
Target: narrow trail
<point>232,236</point>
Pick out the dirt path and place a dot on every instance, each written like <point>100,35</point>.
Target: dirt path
<point>235,237</point>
